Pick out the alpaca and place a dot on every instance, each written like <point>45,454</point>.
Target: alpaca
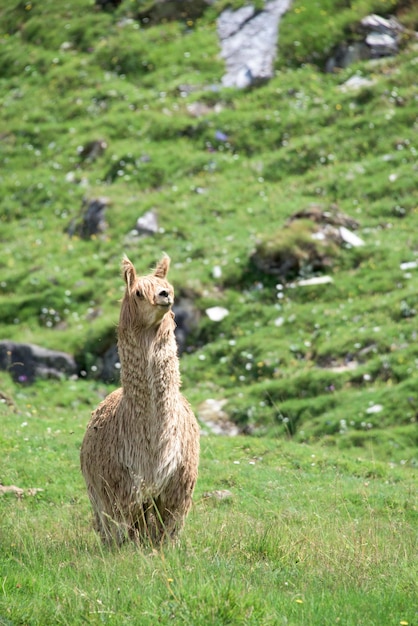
<point>140,453</point>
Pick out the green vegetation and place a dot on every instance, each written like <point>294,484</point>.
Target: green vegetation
<point>321,524</point>
<point>304,535</point>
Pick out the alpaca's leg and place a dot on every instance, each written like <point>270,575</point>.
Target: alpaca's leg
<point>168,520</point>
<point>138,530</point>
<point>108,521</point>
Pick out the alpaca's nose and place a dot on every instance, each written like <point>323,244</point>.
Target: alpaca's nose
<point>163,294</point>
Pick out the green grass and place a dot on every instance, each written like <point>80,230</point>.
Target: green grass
<point>309,535</point>
<point>296,141</point>
<point>321,525</point>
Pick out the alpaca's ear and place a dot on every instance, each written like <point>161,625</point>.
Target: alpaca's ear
<point>162,268</point>
<point>128,272</point>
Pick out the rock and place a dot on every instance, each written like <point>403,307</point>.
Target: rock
<point>379,37</point>
<point>104,4</point>
<point>348,237</point>
<point>347,54</point>
<point>17,491</point>
<point>109,368</point>
<point>200,109</point>
<point>356,82</point>
<point>320,215</point>
<point>212,415</point>
<point>375,408</point>
<point>92,150</point>
<point>5,399</point>
<point>248,40</point>
<point>390,29</point>
<point>216,313</point>
<point>147,224</point>
<point>299,249</point>
<point>217,271</point>
<point>26,362</point>
<point>92,221</point>
<point>409,265</point>
<point>218,494</point>
<point>381,44</point>
<point>187,318</point>
<point>315,280</point>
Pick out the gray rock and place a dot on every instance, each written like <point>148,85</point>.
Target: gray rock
<point>215,419</point>
<point>379,24</point>
<point>104,4</point>
<point>218,494</point>
<point>347,54</point>
<point>332,230</point>
<point>92,150</point>
<point>187,318</point>
<point>109,368</point>
<point>147,224</point>
<point>380,37</point>
<point>357,82</point>
<point>26,362</point>
<point>248,40</point>
<point>382,44</point>
<point>92,221</point>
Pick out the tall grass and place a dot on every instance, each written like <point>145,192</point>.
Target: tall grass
<point>307,549</point>
<point>304,535</point>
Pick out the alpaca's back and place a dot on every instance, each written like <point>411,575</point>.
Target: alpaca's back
<point>140,453</point>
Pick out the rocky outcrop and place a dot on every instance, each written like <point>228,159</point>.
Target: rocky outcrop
<point>147,224</point>
<point>92,150</point>
<point>26,362</point>
<point>248,40</point>
<point>379,37</point>
<point>92,220</point>
<point>308,243</point>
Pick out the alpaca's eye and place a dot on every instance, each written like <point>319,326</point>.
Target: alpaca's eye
<point>139,294</point>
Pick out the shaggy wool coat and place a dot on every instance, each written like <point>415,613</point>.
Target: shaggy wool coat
<point>140,453</point>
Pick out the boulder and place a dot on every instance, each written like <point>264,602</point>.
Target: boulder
<point>248,40</point>
<point>104,4</point>
<point>92,150</point>
<point>213,417</point>
<point>379,37</point>
<point>187,318</point>
<point>147,224</point>
<point>309,242</point>
<point>26,362</point>
<point>92,221</point>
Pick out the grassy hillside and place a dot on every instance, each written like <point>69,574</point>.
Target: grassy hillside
<point>310,361</point>
<point>318,523</point>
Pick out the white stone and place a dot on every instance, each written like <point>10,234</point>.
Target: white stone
<point>217,313</point>
<point>217,271</point>
<point>356,82</point>
<point>409,265</point>
<point>315,280</point>
<point>375,408</point>
<point>350,237</point>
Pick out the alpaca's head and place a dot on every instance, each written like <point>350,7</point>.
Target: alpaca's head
<point>148,298</point>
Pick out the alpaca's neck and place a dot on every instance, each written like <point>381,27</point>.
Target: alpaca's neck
<point>149,367</point>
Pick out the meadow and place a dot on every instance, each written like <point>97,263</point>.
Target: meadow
<point>311,519</point>
<point>280,533</point>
